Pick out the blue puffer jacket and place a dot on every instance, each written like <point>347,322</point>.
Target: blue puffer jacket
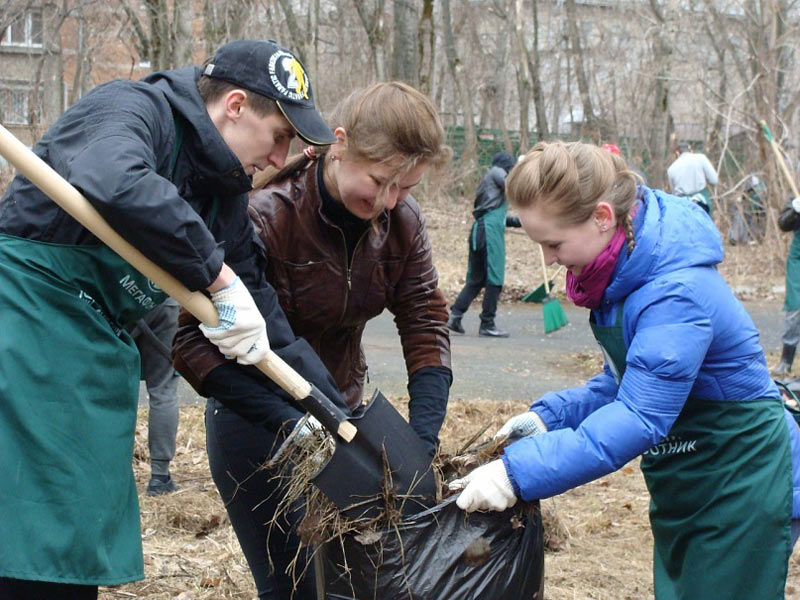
<point>687,335</point>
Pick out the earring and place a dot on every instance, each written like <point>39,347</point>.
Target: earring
<point>603,228</point>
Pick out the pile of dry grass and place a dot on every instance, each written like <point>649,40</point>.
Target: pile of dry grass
<point>597,536</point>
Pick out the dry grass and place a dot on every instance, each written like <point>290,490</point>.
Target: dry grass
<point>597,535</point>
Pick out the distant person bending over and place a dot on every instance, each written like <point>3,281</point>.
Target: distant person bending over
<point>685,384</point>
<point>486,265</point>
<point>690,174</point>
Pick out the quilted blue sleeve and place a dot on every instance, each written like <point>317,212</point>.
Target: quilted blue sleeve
<point>669,335</point>
<point>568,408</point>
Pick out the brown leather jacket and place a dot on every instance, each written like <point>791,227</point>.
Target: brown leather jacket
<point>328,302</point>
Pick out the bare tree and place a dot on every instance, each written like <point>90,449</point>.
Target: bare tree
<point>165,43</point>
<point>589,118</point>
<point>427,47</point>
<point>404,52</point>
<point>456,68</point>
<point>531,67</point>
<point>374,23</point>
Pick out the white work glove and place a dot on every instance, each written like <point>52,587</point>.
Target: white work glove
<point>796,204</point>
<point>522,425</point>
<point>242,332</point>
<point>305,427</point>
<point>486,488</point>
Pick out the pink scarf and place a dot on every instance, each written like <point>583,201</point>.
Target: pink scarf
<point>587,288</point>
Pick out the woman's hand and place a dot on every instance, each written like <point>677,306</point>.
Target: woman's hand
<point>522,425</point>
<point>486,488</point>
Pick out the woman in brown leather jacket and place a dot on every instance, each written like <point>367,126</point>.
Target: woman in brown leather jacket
<point>344,240</point>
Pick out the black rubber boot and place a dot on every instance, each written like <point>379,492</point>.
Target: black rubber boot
<point>454,324</point>
<point>785,365</point>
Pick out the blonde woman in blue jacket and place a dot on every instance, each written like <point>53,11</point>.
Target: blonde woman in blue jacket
<point>685,383</point>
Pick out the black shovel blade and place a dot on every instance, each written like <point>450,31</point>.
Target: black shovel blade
<point>385,453</point>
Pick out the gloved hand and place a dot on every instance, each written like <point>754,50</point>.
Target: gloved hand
<point>522,425</point>
<point>242,332</point>
<point>796,204</point>
<point>486,488</point>
<point>305,427</point>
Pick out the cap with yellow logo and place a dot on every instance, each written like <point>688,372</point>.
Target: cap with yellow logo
<point>270,70</point>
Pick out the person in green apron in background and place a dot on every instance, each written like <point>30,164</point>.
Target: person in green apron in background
<point>167,161</point>
<point>789,220</point>
<point>486,267</point>
<point>685,384</point>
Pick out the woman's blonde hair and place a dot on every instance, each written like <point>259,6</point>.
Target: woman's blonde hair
<point>568,181</point>
<point>391,120</point>
<point>384,122</point>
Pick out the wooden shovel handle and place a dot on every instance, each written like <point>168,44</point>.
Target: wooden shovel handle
<point>73,202</point>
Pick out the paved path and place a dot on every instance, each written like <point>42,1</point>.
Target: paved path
<point>521,367</point>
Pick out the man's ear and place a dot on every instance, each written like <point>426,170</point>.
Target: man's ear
<point>233,103</point>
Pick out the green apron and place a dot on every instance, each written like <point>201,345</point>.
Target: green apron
<point>494,227</point>
<point>792,301</point>
<point>721,494</point>
<point>69,389</point>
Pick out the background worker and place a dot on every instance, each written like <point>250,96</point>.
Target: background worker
<point>690,174</point>
<point>685,383</point>
<point>345,240</point>
<point>153,336</point>
<point>789,220</point>
<point>167,162</point>
<point>486,263</point>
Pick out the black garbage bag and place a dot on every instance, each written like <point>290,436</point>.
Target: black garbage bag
<point>442,553</point>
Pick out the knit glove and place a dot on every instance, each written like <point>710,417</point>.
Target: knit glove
<point>242,332</point>
<point>522,425</point>
<point>486,488</point>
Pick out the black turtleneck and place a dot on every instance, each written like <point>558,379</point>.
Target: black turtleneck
<point>352,226</point>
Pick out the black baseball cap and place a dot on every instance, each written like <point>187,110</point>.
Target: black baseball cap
<point>271,70</point>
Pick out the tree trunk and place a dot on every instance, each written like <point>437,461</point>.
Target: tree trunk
<point>427,47</point>
<point>469,155</point>
<point>405,64</point>
<point>536,81</point>
<point>183,37</point>
<point>375,27</point>
<point>590,125</point>
<point>660,133</point>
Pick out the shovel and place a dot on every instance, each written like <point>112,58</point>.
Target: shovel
<point>383,448</point>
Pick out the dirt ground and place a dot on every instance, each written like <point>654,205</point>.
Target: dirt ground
<point>599,541</point>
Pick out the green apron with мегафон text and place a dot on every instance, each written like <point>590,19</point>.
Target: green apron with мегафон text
<point>69,382</point>
<point>720,485</point>
<point>69,388</point>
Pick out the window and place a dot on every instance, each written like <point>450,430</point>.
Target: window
<point>14,105</point>
<point>25,30</point>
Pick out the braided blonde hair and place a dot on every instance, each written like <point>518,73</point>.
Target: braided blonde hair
<point>570,179</point>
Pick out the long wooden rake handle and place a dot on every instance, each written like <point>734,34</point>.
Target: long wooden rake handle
<point>72,201</point>
<point>544,271</point>
<point>779,156</point>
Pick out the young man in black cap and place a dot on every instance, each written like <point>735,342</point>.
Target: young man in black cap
<point>167,161</point>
